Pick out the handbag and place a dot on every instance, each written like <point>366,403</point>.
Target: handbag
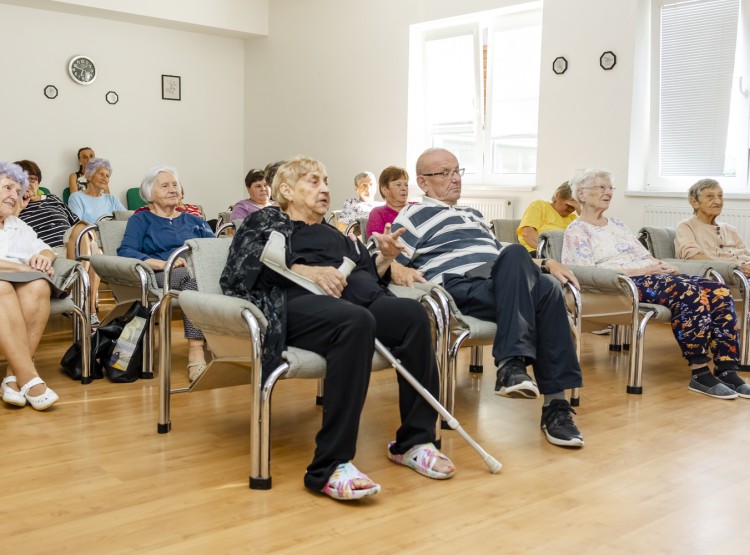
<point>122,363</point>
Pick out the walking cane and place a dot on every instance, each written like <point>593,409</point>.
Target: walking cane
<point>274,256</point>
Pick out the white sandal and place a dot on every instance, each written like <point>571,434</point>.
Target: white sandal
<point>11,396</point>
<point>40,402</point>
<point>196,369</point>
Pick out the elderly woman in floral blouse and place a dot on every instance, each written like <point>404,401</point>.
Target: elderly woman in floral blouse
<point>703,316</point>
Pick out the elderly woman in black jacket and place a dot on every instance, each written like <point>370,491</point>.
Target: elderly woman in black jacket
<point>341,326</point>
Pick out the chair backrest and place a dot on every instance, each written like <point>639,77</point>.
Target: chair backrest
<point>550,244</point>
<point>134,199</point>
<point>505,229</point>
<point>659,241</point>
<point>207,259</point>
<point>66,194</point>
<point>44,191</point>
<point>122,215</point>
<point>111,233</point>
<point>333,217</point>
<point>363,228</point>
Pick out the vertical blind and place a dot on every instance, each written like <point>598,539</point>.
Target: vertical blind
<point>698,45</point>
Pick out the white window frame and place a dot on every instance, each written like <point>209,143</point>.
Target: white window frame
<point>516,16</point>
<point>671,184</point>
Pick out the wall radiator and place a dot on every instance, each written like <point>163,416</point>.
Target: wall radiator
<point>668,216</point>
<point>491,209</point>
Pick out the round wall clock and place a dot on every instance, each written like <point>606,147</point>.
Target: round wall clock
<point>111,97</point>
<point>50,91</point>
<point>607,60</point>
<point>82,70</point>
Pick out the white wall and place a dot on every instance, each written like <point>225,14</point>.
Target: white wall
<point>331,81</point>
<point>202,135</point>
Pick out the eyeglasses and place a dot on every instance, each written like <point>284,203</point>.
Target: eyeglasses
<point>601,188</point>
<point>446,174</point>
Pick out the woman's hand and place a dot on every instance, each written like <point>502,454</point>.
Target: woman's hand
<point>662,267</point>
<point>328,278</point>
<point>42,263</point>
<point>389,244</point>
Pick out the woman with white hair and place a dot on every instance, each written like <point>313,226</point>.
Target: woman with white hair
<point>95,202</point>
<point>703,316</point>
<point>153,235</point>
<point>25,269</point>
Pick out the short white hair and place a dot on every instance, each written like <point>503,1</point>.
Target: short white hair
<point>147,185</point>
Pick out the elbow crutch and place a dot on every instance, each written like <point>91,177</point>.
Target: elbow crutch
<point>274,256</point>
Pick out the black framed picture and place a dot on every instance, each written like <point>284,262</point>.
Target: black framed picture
<point>607,60</point>
<point>171,87</point>
<point>560,65</point>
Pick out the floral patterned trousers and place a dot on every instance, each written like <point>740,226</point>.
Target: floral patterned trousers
<point>703,315</point>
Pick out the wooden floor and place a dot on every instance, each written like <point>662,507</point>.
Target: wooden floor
<point>665,472</point>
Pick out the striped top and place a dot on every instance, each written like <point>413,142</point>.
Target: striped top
<point>443,239</point>
<point>50,218</point>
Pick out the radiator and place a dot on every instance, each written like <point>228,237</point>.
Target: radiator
<point>491,209</point>
<point>669,216</point>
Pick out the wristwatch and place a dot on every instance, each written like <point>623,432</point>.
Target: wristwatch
<point>543,266</point>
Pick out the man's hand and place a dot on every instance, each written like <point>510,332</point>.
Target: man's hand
<point>562,273</point>
<point>328,278</point>
<point>403,275</point>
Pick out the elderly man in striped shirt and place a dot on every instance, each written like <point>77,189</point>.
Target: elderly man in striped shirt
<point>454,247</point>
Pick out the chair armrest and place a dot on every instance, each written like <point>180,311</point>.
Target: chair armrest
<point>121,270</point>
<point>701,267</point>
<point>219,314</point>
<point>597,279</point>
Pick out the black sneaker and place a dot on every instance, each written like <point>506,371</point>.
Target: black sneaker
<point>558,425</point>
<point>713,386</point>
<point>734,382</point>
<point>513,381</point>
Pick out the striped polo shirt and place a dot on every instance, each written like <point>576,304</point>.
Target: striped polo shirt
<point>443,239</point>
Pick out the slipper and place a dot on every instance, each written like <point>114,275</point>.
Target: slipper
<point>341,483</point>
<point>422,458</point>
<point>195,369</point>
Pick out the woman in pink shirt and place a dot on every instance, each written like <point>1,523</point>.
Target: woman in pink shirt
<point>394,188</point>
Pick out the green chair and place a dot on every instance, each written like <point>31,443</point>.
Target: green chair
<point>44,191</point>
<point>134,199</point>
<point>66,194</point>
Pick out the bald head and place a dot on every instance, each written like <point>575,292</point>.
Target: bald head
<point>445,183</point>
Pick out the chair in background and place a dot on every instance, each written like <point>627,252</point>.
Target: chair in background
<point>333,217</point>
<point>608,297</point>
<point>122,215</point>
<point>44,191</point>
<point>66,195</point>
<point>133,199</point>
<point>505,230</point>
<point>129,279</point>
<point>660,243</point>
<point>233,329</point>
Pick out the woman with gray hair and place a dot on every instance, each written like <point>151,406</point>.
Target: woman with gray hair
<point>361,205</point>
<point>703,237</point>
<point>703,316</point>
<point>153,235</point>
<point>25,269</point>
<point>95,202</point>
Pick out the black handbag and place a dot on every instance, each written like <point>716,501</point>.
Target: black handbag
<point>122,363</point>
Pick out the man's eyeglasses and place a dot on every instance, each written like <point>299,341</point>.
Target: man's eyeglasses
<point>446,174</point>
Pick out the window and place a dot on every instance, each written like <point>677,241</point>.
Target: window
<point>474,89</point>
<point>699,101</point>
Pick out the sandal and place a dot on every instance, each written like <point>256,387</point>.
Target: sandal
<point>422,458</point>
<point>341,483</point>
<point>39,402</point>
<point>196,369</point>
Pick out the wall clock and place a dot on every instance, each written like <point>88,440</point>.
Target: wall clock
<point>82,70</point>
<point>607,60</point>
<point>560,65</point>
<point>50,91</point>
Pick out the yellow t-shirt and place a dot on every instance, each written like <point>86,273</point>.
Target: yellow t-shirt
<point>543,217</point>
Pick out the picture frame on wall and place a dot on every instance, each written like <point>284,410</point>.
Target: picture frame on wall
<point>171,87</point>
